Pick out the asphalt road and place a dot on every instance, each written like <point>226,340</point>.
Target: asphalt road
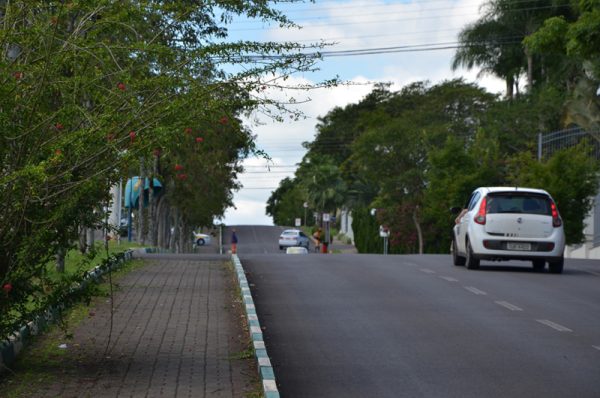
<point>416,326</point>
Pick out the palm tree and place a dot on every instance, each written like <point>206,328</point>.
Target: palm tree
<point>494,42</point>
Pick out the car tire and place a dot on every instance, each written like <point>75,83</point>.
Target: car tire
<point>470,261</point>
<point>556,267</point>
<point>200,242</point>
<point>538,265</point>
<point>280,247</point>
<point>456,258</point>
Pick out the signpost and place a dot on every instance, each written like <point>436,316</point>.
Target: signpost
<point>305,205</point>
<point>384,232</point>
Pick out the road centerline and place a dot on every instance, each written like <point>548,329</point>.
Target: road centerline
<point>508,305</point>
<point>476,291</point>
<point>554,325</point>
<point>449,278</point>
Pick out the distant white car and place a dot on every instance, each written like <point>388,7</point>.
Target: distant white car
<point>504,223</point>
<point>293,237</point>
<point>201,239</point>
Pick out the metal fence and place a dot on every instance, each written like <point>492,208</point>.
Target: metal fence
<point>548,143</point>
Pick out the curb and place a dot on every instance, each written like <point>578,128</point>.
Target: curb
<point>14,344</point>
<point>265,368</point>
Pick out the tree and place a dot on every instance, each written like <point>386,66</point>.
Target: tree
<point>570,176</point>
<point>494,42</point>
<point>90,87</point>
<point>286,203</point>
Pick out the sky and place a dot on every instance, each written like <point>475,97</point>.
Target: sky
<point>352,25</point>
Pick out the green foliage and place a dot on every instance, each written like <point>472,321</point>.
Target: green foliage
<point>570,176</point>
<point>286,203</point>
<point>91,89</point>
<point>366,231</point>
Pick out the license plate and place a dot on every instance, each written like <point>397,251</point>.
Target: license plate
<point>518,246</point>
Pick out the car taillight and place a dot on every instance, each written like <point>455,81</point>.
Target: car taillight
<point>480,217</point>
<point>556,221</point>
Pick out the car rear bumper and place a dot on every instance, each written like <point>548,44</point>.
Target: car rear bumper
<point>495,249</point>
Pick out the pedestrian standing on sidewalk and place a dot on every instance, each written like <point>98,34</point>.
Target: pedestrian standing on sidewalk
<point>234,241</point>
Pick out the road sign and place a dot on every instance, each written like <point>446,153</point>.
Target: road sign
<point>298,222</point>
<point>326,217</point>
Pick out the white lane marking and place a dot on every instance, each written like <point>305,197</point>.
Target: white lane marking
<point>554,325</point>
<point>508,305</point>
<point>427,270</point>
<point>596,347</point>
<point>449,278</point>
<point>411,264</point>
<point>474,290</point>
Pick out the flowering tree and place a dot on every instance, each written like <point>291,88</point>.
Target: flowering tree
<point>88,88</point>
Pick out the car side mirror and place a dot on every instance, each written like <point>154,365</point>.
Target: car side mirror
<point>455,210</point>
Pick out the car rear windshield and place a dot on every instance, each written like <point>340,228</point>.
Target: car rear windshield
<point>527,203</point>
<point>290,233</point>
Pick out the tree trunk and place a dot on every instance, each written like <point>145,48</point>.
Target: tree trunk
<point>418,227</point>
<point>529,70</point>
<point>174,236</point>
<point>153,207</point>
<point>91,238</point>
<point>82,240</point>
<point>140,224</point>
<point>60,260</point>
<point>510,87</point>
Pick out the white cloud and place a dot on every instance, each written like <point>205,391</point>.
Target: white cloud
<point>355,25</point>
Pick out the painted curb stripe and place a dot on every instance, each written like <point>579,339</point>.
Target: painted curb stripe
<point>266,372</point>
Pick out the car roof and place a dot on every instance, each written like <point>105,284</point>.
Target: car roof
<point>513,189</point>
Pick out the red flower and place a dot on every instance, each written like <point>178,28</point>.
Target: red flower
<point>58,152</point>
<point>224,120</point>
<point>59,126</point>
<point>182,176</point>
<point>178,167</point>
<point>18,75</point>
<point>110,136</point>
<point>7,287</point>
<point>199,139</point>
<point>188,130</point>
<point>132,135</point>
<point>121,86</point>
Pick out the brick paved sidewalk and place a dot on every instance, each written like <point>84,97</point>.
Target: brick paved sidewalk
<point>176,333</point>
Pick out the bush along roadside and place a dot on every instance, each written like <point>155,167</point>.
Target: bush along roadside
<point>11,346</point>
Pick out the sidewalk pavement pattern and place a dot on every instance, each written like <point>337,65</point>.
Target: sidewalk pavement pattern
<point>175,333</point>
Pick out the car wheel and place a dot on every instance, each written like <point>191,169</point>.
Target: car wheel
<point>539,265</point>
<point>471,262</point>
<point>456,258</point>
<point>200,242</point>
<point>280,247</point>
<point>556,267</point>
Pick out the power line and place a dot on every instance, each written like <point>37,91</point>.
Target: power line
<point>379,21</point>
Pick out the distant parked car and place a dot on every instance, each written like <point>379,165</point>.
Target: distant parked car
<point>501,223</point>
<point>296,250</point>
<point>293,237</point>
<point>201,239</point>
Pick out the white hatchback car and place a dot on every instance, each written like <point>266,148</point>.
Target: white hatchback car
<point>501,223</point>
<point>293,237</point>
